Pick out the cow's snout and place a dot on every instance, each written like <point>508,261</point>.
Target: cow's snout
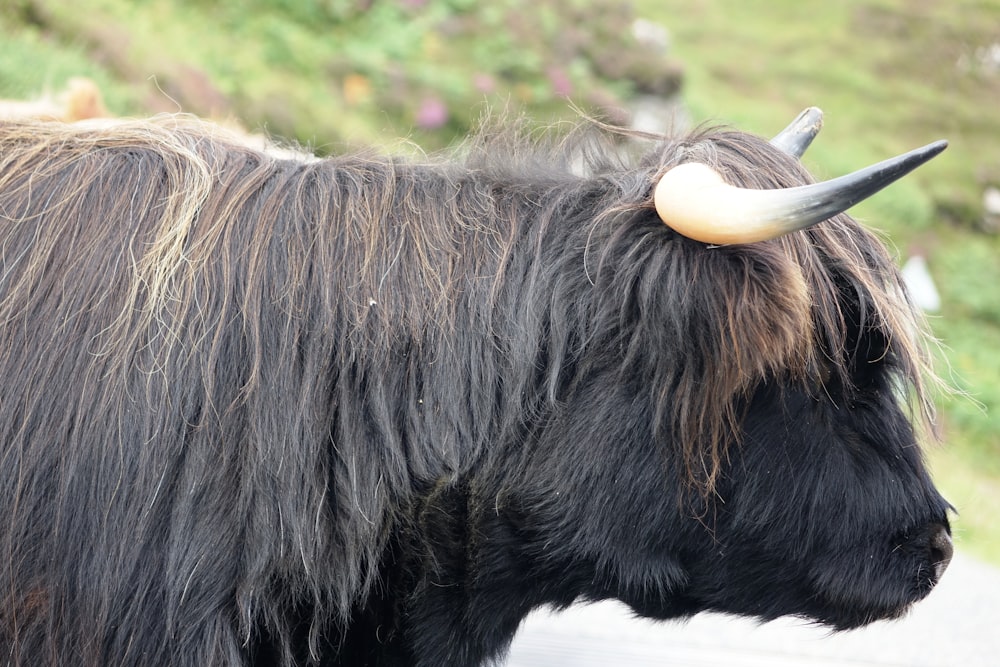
<point>941,548</point>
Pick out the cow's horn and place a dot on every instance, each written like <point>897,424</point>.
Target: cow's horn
<point>795,138</point>
<point>694,200</point>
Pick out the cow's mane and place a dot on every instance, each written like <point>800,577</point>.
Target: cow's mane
<point>260,323</point>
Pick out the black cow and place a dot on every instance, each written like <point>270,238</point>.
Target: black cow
<point>372,411</point>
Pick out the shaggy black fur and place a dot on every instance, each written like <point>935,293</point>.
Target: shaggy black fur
<point>367,411</point>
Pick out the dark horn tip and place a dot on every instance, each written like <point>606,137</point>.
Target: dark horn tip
<point>918,156</point>
<point>938,146</point>
<point>907,162</point>
<point>825,200</point>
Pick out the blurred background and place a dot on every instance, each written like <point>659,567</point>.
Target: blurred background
<point>891,75</point>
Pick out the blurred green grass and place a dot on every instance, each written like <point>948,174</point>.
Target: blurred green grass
<point>890,74</point>
<point>332,73</point>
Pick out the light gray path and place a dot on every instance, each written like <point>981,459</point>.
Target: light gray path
<point>957,626</point>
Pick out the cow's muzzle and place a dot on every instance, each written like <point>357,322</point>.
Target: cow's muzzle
<point>940,548</point>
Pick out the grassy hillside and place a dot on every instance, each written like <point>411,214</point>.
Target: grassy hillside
<point>334,72</point>
<point>890,74</point>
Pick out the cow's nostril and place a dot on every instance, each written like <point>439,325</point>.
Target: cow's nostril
<point>941,548</point>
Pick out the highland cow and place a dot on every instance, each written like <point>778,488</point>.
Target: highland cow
<point>372,411</point>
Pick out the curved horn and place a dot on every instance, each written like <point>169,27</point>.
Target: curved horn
<point>694,200</point>
<point>795,138</point>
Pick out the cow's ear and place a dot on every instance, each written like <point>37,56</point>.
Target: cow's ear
<point>872,357</point>
<point>865,346</point>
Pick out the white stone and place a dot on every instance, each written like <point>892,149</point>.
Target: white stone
<point>920,284</point>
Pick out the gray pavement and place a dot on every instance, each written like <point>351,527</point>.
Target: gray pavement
<point>957,625</point>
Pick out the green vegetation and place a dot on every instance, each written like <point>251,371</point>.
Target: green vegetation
<point>890,74</point>
<point>335,72</point>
